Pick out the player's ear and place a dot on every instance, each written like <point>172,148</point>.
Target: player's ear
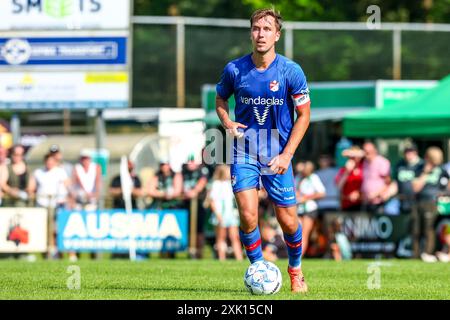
<point>278,35</point>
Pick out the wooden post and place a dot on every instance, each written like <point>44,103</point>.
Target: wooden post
<point>193,227</point>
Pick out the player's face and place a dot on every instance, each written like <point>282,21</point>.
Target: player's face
<point>264,34</point>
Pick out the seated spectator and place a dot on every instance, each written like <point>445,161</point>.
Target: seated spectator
<point>327,174</point>
<point>376,179</point>
<point>16,185</point>
<point>115,189</point>
<point>273,245</point>
<point>87,181</point>
<point>339,244</point>
<point>225,215</point>
<point>349,179</point>
<point>309,190</point>
<point>431,181</point>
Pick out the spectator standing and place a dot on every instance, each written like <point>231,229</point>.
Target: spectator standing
<point>298,169</point>
<point>447,167</point>
<point>376,179</point>
<point>3,170</point>
<point>431,181</point>
<point>403,175</point>
<point>225,215</point>
<point>349,179</point>
<point>87,180</point>
<point>195,178</point>
<point>327,174</point>
<point>309,190</point>
<point>50,187</point>
<point>115,189</point>
<point>16,185</point>
<point>56,152</point>
<point>166,187</point>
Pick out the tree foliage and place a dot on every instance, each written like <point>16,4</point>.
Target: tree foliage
<point>436,11</point>
<point>325,55</point>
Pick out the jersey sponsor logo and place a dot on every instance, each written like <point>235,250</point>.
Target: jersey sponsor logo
<point>274,86</point>
<point>266,102</point>
<point>258,101</point>
<point>301,100</point>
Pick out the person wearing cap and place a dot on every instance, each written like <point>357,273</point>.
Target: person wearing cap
<point>56,152</point>
<point>86,182</point>
<point>403,175</point>
<point>165,187</point>
<point>349,179</point>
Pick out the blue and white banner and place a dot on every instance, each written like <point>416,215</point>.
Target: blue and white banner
<point>110,230</point>
<point>63,51</point>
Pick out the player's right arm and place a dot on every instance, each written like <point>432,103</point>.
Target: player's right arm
<point>224,89</point>
<point>230,126</point>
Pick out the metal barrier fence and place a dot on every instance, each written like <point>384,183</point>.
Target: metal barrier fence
<point>174,56</point>
<point>368,234</point>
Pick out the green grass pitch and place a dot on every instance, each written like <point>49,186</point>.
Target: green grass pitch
<point>213,280</point>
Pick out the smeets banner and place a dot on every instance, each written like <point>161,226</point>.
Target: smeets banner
<point>64,14</point>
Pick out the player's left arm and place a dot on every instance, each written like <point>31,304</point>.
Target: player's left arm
<point>299,92</point>
<point>281,163</point>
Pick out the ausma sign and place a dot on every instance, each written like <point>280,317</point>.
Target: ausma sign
<point>64,14</point>
<point>111,230</point>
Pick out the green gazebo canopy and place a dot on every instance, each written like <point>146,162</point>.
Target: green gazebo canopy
<point>427,115</point>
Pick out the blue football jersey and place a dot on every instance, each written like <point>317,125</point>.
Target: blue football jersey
<point>264,100</point>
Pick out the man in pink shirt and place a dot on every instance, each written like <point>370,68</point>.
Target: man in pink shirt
<point>376,178</point>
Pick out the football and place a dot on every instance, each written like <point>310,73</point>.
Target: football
<point>262,277</point>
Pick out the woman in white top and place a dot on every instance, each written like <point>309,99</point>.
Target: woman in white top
<point>309,190</point>
<point>87,182</point>
<point>225,215</point>
<point>50,184</point>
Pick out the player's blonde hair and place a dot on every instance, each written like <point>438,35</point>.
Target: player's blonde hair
<point>261,13</point>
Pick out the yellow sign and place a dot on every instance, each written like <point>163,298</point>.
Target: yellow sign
<point>115,77</point>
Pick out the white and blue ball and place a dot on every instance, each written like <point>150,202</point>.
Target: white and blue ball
<point>263,278</point>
